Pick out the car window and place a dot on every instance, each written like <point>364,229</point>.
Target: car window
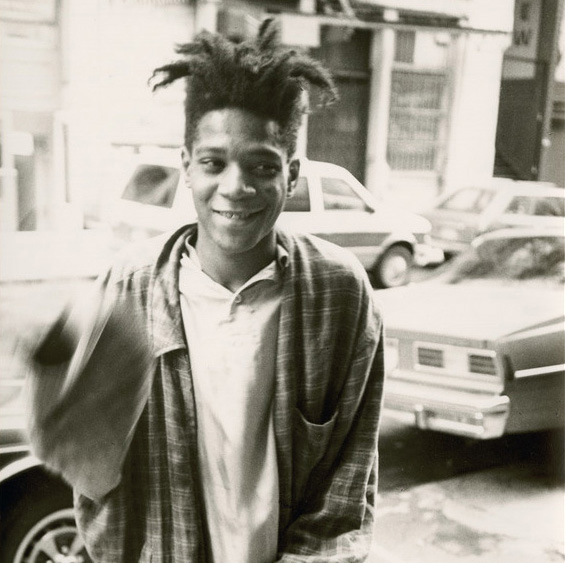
<point>538,206</point>
<point>338,194</point>
<point>549,206</point>
<point>471,200</point>
<point>153,185</point>
<point>539,259</point>
<point>300,200</point>
<point>520,205</point>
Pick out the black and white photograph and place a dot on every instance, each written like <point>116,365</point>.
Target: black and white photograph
<point>282,281</point>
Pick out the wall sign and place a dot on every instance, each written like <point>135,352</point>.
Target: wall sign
<point>526,30</point>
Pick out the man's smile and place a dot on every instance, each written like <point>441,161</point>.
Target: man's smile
<point>236,215</point>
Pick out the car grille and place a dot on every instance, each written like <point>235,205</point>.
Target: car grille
<point>481,364</point>
<point>431,357</point>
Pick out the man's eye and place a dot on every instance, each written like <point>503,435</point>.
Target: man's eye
<point>212,165</point>
<point>266,170</point>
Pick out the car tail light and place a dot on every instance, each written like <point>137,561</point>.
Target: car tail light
<point>458,361</point>
<point>431,357</point>
<point>482,364</point>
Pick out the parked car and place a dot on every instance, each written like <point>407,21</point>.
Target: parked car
<point>460,215</point>
<point>478,350</point>
<point>328,202</point>
<point>36,506</point>
<point>36,516</point>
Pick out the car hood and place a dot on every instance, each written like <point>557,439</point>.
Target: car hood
<point>467,315</point>
<point>392,218</point>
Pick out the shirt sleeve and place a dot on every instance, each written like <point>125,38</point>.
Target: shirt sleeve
<point>335,522</point>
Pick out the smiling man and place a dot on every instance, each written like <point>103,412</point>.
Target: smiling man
<point>258,441</point>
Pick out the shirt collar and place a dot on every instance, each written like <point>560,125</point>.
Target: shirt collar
<point>282,257</point>
<point>165,310</point>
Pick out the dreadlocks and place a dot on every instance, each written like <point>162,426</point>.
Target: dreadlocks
<point>259,75</point>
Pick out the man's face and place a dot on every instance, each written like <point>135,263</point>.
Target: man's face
<point>240,177</point>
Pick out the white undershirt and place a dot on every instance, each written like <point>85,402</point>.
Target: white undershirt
<point>232,340</point>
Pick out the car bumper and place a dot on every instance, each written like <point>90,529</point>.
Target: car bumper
<point>426,255</point>
<point>454,412</point>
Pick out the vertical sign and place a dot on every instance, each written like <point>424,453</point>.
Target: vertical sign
<point>520,57</point>
<point>526,29</point>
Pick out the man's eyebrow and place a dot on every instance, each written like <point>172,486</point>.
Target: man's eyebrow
<point>262,152</point>
<point>209,149</point>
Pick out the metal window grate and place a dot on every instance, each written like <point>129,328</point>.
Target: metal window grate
<point>416,120</point>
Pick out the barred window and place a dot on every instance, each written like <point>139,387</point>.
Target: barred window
<point>418,103</point>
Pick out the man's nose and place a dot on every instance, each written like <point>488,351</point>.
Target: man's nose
<point>233,182</point>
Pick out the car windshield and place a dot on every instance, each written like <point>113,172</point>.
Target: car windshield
<point>538,260</point>
<point>469,200</point>
<point>339,195</point>
<point>152,185</point>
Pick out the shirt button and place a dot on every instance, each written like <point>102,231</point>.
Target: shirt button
<point>238,299</point>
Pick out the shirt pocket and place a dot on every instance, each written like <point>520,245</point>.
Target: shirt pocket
<point>310,443</point>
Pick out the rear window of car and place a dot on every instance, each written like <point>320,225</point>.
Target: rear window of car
<point>470,200</point>
<point>537,206</point>
<point>153,185</point>
<point>338,194</point>
<point>300,200</point>
<point>549,207</point>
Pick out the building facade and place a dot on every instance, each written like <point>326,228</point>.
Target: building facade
<point>419,84</point>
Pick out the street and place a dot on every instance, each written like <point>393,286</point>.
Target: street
<point>444,498</point>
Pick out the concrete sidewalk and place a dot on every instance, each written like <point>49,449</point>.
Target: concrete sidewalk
<point>501,516</point>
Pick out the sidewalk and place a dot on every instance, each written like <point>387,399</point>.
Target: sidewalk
<point>497,516</point>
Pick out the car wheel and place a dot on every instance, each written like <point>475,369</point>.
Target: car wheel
<point>393,268</point>
<point>40,528</point>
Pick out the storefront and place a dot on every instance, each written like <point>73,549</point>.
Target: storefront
<point>29,100</point>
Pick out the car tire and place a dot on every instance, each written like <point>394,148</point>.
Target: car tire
<point>40,526</point>
<point>393,268</point>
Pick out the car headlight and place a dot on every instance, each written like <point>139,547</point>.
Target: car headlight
<point>391,355</point>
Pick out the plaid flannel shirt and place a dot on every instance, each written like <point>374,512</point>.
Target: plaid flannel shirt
<point>329,383</point>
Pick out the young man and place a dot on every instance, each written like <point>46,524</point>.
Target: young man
<point>258,441</point>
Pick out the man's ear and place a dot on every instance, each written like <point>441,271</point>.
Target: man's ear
<point>186,158</point>
<point>293,172</point>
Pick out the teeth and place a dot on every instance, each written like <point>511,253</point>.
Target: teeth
<point>234,214</point>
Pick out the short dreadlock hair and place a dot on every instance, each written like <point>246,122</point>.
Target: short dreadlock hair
<point>259,75</point>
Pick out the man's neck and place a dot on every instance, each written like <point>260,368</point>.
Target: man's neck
<point>233,270</point>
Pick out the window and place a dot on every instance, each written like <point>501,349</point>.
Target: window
<point>153,185</point>
<point>418,104</point>
<point>520,205</point>
<point>470,200</point>
<point>338,194</point>
<point>404,46</point>
<point>300,200</point>
<point>538,206</point>
<point>549,206</point>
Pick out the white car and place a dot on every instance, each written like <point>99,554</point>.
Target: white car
<point>328,202</point>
